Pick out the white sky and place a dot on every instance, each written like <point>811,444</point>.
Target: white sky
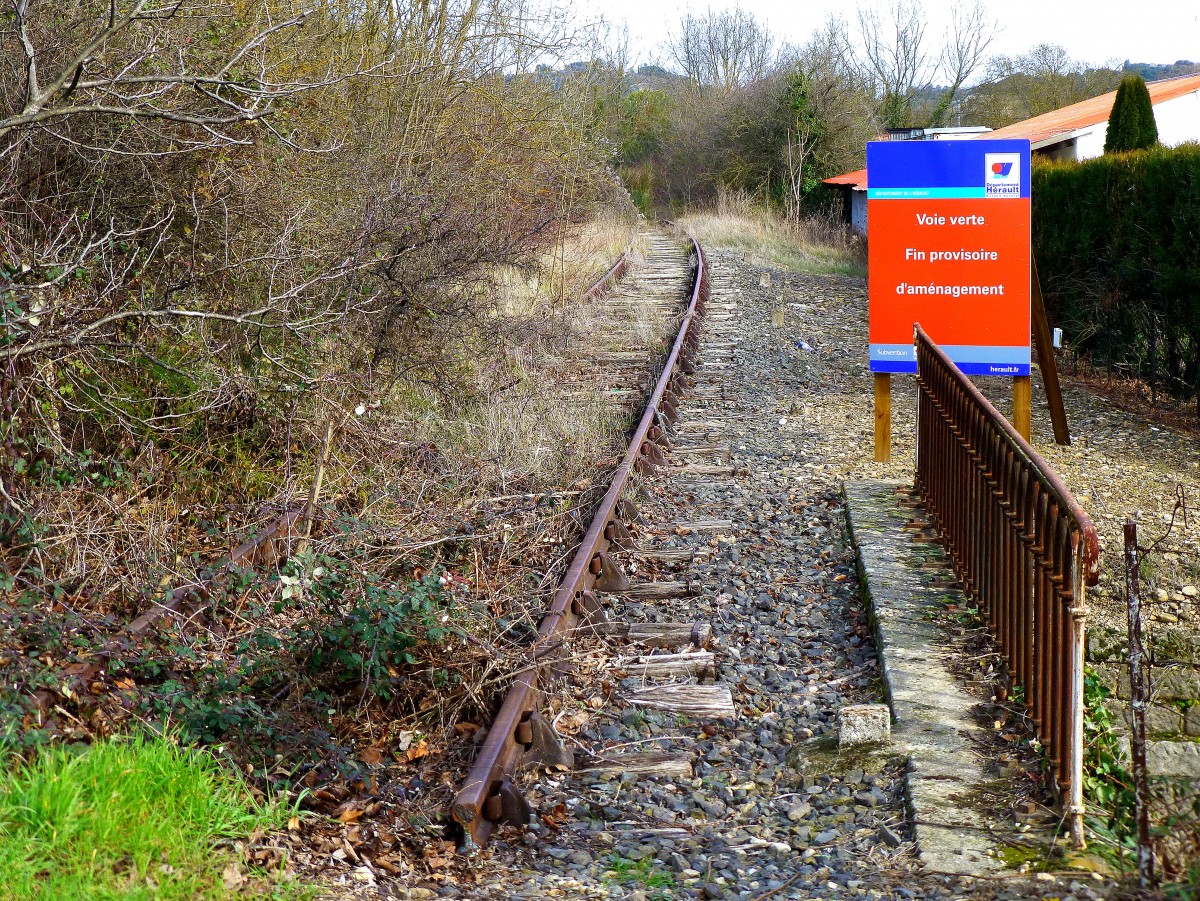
<point>1151,31</point>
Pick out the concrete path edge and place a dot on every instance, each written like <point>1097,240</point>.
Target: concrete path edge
<point>946,785</point>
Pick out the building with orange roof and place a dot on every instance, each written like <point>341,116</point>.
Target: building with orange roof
<point>1074,132</point>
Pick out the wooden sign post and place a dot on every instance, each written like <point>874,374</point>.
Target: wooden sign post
<point>1023,406</point>
<point>883,417</point>
<point>1047,363</point>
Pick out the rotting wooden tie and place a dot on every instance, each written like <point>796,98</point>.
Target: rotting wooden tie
<point>646,763</point>
<point>660,590</point>
<point>667,666</point>
<point>694,700</point>
<point>659,635</point>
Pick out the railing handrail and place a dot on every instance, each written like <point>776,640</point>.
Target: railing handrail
<point>1022,547</point>
<point>1037,464</point>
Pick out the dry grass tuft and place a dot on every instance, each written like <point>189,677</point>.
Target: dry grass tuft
<point>817,245</point>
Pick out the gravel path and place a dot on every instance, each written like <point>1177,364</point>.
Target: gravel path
<point>749,518</point>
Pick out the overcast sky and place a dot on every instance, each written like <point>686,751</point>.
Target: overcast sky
<point>1151,31</point>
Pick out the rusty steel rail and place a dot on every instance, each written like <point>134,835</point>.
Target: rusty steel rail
<point>1022,547</point>
<point>608,279</point>
<point>488,796</point>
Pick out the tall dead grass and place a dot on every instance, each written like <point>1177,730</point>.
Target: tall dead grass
<point>816,244</point>
<point>522,426</point>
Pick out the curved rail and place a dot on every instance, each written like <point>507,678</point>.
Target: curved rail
<point>615,271</point>
<point>488,797</point>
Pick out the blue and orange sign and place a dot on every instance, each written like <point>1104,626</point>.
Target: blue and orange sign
<point>948,246</point>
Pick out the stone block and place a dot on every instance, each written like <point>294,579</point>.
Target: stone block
<point>1176,683</point>
<point>1105,644</point>
<point>1163,719</point>
<point>1173,758</point>
<point>1113,677</point>
<point>1191,720</point>
<point>859,723</point>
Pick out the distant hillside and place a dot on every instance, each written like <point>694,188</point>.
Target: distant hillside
<point>1159,71</point>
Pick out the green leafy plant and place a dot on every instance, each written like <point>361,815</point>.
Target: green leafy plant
<point>640,872</point>
<point>1107,783</point>
<point>363,631</point>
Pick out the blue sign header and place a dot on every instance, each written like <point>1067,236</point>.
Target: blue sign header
<point>976,169</point>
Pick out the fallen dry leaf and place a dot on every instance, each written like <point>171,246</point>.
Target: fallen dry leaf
<point>556,817</point>
<point>388,865</point>
<point>371,756</point>
<point>420,749</point>
<point>232,877</point>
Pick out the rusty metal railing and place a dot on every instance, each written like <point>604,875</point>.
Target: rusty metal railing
<point>1022,548</point>
<point>489,797</point>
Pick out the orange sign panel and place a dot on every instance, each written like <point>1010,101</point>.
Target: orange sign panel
<point>948,247</point>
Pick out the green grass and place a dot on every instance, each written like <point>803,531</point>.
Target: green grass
<point>130,819</point>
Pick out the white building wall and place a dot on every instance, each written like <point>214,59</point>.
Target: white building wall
<point>1089,142</point>
<point>1178,119</point>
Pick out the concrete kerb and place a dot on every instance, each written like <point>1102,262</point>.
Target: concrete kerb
<point>946,787</point>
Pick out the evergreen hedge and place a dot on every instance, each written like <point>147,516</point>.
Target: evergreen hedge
<point>1117,242</point>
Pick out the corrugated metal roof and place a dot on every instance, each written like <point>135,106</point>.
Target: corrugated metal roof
<point>1043,129</point>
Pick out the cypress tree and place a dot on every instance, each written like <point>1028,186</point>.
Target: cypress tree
<point>1131,124</point>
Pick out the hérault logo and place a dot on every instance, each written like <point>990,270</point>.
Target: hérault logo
<point>1002,174</point>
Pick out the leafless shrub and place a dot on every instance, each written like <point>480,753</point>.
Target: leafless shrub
<point>227,225</point>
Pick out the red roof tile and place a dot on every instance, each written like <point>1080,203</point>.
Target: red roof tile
<point>856,178</point>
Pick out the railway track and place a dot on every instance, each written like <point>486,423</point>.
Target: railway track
<point>681,736</point>
<point>519,735</point>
